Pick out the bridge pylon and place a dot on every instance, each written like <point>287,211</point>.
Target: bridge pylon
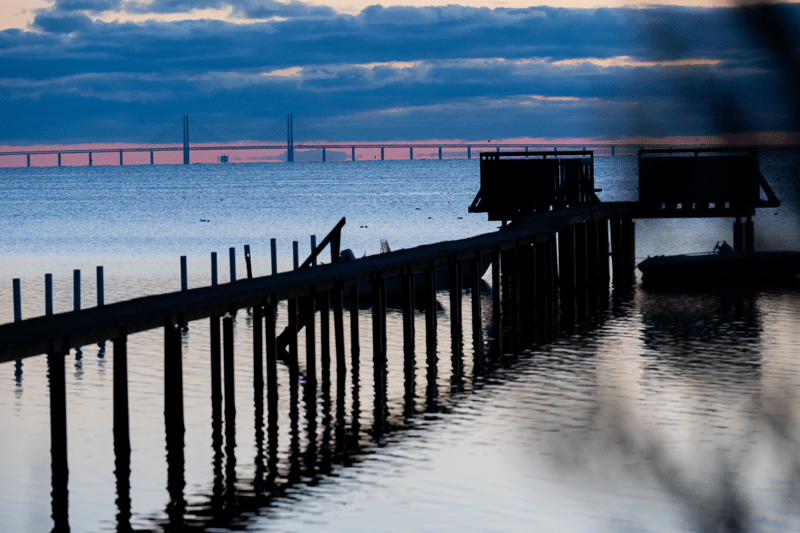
<point>289,139</point>
<point>185,139</point>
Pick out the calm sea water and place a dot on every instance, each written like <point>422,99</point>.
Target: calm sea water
<point>648,410</point>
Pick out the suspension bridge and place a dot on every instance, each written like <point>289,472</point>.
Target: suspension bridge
<point>286,137</point>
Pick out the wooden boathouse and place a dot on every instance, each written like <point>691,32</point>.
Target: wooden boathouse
<point>554,244</point>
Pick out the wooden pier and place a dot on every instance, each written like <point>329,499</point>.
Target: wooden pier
<point>556,246</point>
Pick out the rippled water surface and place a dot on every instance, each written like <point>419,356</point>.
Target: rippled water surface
<point>639,410</point>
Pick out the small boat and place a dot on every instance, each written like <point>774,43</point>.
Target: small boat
<point>721,264</point>
<point>394,285</point>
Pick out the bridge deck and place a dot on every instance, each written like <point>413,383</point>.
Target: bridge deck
<point>80,328</point>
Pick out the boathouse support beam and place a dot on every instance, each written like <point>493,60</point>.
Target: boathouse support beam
<point>616,249</point>
<point>122,439</point>
<point>324,306</point>
<point>749,235</point>
<point>566,262</point>
<point>216,370</point>
<point>592,255</point>
<point>455,311</point>
<point>408,323</point>
<point>628,246</point>
<point>581,256</point>
<point>604,272</point>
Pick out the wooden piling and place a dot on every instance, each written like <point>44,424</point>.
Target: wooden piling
<point>430,302</point>
<point>48,294</point>
<point>581,256</point>
<point>311,352</point>
<point>184,275</point>
<point>17,300</point>
<point>232,261</point>
<point>604,273</point>
<point>58,434</point>
<point>272,357</point>
<point>213,268</point>
<point>216,369</point>
<point>408,316</point>
<point>566,258</point>
<point>76,290</point>
<point>738,235</point>
<point>122,441</point>
<point>628,246</point>
<point>477,321</point>
<point>496,312</point>
<point>229,380</point>
<point>615,224</point>
<point>379,352</point>
<point>258,348</point>
<point>101,294</point>
<point>324,306</point>
<point>553,272</point>
<point>248,262</point>
<point>749,235</point>
<point>455,319</point>
<point>338,331</point>
<point>273,250</point>
<point>592,255</point>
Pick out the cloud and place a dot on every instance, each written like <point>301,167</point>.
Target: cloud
<point>404,71</point>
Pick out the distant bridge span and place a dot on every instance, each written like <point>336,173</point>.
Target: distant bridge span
<point>290,146</point>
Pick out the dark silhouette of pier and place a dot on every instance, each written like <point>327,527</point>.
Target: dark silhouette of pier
<point>552,252</point>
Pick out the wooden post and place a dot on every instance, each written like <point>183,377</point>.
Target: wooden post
<point>409,360</point>
<point>100,288</point>
<point>17,300</point>
<point>338,332</point>
<point>314,247</point>
<point>248,262</point>
<point>273,249</point>
<point>258,350</point>
<point>229,380</point>
<point>355,355</point>
<point>496,312</point>
<point>378,353</point>
<point>738,235</point>
<point>408,318</point>
<point>216,369</point>
<point>628,246</point>
<point>173,418</point>
<point>294,371</point>
<point>122,440</point>
<point>213,268</point>
<point>553,271</point>
<point>232,260</point>
<point>592,255</point>
<point>581,259</point>
<point>602,259</point>
<point>295,255</point>
<point>48,294</point>
<point>430,302</point>
<point>311,353</point>
<point>455,317</point>
<point>477,322</point>
<point>76,290</point>
<point>58,434</point>
<point>272,357</point>
<point>324,305</point>
<point>184,277</point>
<point>616,250</point>
<point>566,259</point>
<point>749,235</point>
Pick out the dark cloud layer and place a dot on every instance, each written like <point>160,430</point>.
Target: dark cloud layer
<point>396,72</point>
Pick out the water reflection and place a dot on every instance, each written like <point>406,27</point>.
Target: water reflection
<point>710,335</point>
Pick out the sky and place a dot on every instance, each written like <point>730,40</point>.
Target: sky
<point>108,71</point>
